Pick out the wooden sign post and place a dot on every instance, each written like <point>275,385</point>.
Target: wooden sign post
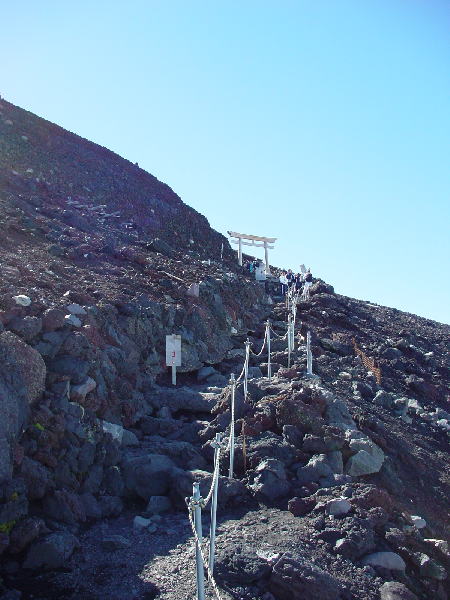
<point>173,354</point>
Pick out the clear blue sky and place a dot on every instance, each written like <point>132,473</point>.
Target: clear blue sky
<point>324,123</point>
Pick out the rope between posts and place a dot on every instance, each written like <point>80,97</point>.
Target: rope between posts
<point>262,349</point>
<point>204,502</point>
<point>204,561</point>
<point>245,363</point>
<point>281,337</point>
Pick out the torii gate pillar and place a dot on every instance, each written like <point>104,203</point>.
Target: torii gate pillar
<point>266,257</point>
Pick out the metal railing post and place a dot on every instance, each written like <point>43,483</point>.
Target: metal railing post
<point>247,358</point>
<point>233,391</point>
<point>198,529</point>
<point>269,366</point>
<point>308,354</point>
<point>212,532</point>
<point>289,339</point>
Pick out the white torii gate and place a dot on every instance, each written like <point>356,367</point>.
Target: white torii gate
<point>251,242</point>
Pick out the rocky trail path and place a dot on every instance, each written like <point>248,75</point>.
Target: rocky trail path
<point>141,554</point>
<point>303,518</point>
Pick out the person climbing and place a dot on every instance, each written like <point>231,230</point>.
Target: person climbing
<point>308,284</point>
<point>283,283</point>
<point>290,278</point>
<point>298,280</point>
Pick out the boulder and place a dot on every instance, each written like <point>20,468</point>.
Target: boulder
<point>148,475</point>
<point>112,481</point>
<point>79,392</point>
<point>430,568</point>
<point>76,309</point>
<point>316,468</point>
<point>37,478</point>
<point>51,552</point>
<point>27,327</point>
<point>22,300</point>
<point>69,366</point>
<point>384,399</point>
<point>338,507</point>
<point>362,463</point>
<point>205,372</point>
<point>25,362</point>
<point>25,532</point>
<point>269,445</point>
<point>270,480</point>
<point>368,459</point>
<point>141,523</point>
<point>302,411</point>
<point>293,577</point>
<point>158,504</point>
<point>336,347</point>
<point>292,435</point>
<point>239,564</point>
<point>64,506</point>
<point>394,590</point>
<point>183,398</point>
<point>358,541</point>
<point>52,319</point>
<point>183,454</point>
<point>386,560</point>
<point>111,506</point>
<point>72,320</point>
<point>159,245</point>
<point>418,522</point>
<point>300,507</point>
<point>232,492</point>
<point>218,380</point>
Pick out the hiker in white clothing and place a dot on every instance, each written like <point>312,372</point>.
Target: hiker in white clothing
<point>283,283</point>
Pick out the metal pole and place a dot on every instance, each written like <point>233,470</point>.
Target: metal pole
<point>233,390</point>
<point>308,354</point>
<point>174,375</point>
<point>269,366</point>
<point>289,339</point>
<point>198,529</point>
<point>212,532</point>
<point>294,316</point>
<point>247,358</point>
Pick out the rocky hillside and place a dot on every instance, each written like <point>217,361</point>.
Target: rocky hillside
<point>342,480</point>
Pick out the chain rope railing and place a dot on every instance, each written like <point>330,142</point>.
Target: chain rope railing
<point>196,503</point>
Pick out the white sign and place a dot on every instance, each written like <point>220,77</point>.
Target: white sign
<point>173,350</point>
<point>260,273</point>
<point>303,269</point>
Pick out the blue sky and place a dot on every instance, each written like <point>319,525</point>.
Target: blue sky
<point>323,123</point>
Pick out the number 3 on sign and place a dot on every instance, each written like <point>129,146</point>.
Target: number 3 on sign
<point>173,350</point>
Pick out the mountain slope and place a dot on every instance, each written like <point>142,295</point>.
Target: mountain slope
<point>99,261</point>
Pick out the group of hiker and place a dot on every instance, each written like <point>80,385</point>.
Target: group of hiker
<point>288,280</point>
<point>300,282</point>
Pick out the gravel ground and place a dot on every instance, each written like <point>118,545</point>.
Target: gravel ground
<point>161,565</point>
